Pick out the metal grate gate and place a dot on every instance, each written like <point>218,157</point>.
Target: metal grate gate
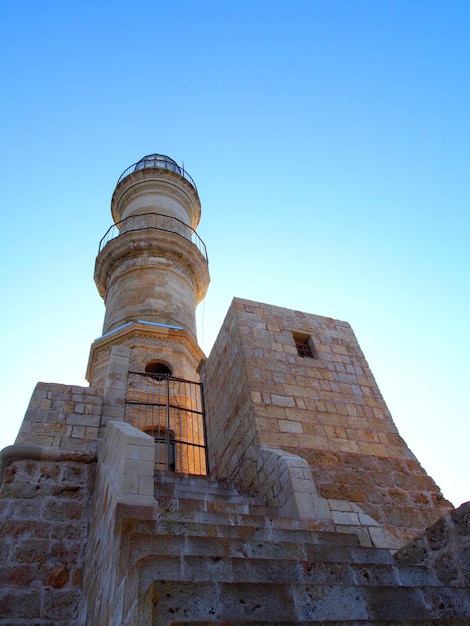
<point>171,410</point>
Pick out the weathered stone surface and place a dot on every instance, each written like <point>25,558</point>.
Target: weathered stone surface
<point>44,510</point>
<point>18,604</point>
<point>438,535</point>
<point>446,570</point>
<point>461,519</point>
<point>443,549</point>
<point>413,553</point>
<point>326,602</point>
<point>399,603</point>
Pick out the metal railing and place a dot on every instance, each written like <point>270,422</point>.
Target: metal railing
<point>153,221</point>
<point>157,161</point>
<point>171,410</point>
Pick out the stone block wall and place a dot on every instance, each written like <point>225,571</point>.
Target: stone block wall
<point>185,549</point>
<point>66,417</point>
<point>46,496</point>
<point>44,513</point>
<point>327,409</point>
<point>232,433</point>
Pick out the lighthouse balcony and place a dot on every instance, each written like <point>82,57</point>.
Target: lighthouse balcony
<point>157,162</point>
<point>153,221</point>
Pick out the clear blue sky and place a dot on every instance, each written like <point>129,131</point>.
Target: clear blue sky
<point>330,144</point>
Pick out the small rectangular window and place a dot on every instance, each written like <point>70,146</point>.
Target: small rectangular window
<point>304,345</point>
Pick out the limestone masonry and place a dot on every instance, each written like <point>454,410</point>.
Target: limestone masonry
<point>264,484</point>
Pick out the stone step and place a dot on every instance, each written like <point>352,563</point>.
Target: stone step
<point>214,505</point>
<point>279,570</point>
<point>255,516</point>
<point>193,479</point>
<point>363,561</point>
<point>327,622</point>
<point>199,487</point>
<point>310,585</point>
<point>231,518</point>
<point>288,604</point>
<point>249,539</point>
<point>198,507</point>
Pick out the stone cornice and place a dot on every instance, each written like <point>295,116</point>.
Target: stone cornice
<point>171,246</point>
<point>19,452</point>
<point>134,331</point>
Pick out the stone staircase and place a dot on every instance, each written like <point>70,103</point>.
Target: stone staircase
<point>209,554</point>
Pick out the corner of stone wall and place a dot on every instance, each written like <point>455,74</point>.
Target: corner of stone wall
<point>127,460</point>
<point>115,385</point>
<point>348,517</point>
<point>125,475</point>
<point>286,482</point>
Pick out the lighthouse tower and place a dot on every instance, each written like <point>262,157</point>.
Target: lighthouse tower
<point>152,272</point>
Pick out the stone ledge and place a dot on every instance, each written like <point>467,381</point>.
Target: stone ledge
<point>19,452</point>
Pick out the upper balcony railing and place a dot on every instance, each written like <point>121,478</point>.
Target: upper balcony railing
<point>154,221</point>
<point>157,161</point>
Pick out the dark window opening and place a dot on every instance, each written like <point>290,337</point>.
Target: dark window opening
<point>160,369</point>
<point>305,346</point>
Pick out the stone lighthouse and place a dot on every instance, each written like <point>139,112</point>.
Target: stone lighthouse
<point>152,272</point>
<point>286,497</point>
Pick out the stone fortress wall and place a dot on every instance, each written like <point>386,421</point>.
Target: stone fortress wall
<point>326,409</point>
<point>315,510</point>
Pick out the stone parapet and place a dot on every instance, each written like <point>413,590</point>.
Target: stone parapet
<point>44,512</point>
<point>127,460</point>
<point>397,493</point>
<point>66,417</point>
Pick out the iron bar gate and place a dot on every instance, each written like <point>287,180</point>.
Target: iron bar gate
<point>171,410</point>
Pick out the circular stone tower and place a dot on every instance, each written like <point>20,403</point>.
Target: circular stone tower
<point>152,271</point>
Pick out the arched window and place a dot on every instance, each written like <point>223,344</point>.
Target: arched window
<point>158,368</point>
